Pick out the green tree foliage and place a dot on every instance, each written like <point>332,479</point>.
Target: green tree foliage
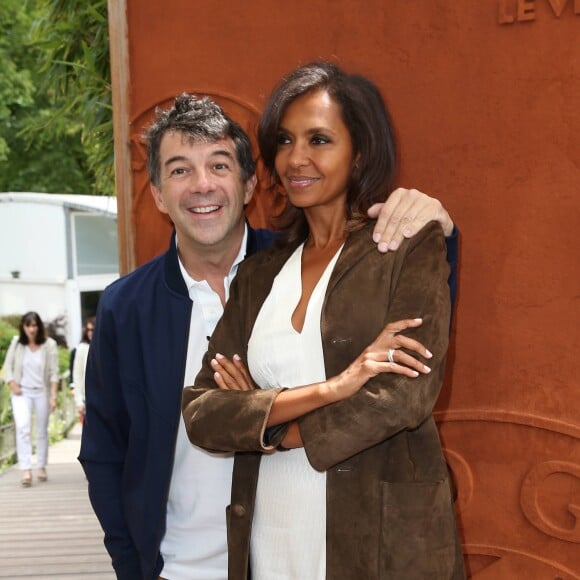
<point>74,41</point>
<point>16,87</point>
<point>56,130</point>
<point>7,332</point>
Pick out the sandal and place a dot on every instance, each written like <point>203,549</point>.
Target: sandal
<point>42,474</point>
<point>26,479</point>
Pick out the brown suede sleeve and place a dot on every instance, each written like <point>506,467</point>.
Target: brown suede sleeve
<point>219,420</point>
<point>415,287</point>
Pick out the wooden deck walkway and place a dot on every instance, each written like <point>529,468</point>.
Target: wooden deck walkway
<point>49,531</point>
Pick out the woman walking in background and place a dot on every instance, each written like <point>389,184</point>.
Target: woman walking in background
<point>80,365</point>
<point>31,372</point>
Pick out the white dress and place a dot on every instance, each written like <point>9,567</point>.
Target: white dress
<point>289,526</point>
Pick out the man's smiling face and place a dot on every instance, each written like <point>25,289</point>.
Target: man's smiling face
<point>201,190</point>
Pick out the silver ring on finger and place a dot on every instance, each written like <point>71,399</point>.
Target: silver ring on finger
<point>390,355</point>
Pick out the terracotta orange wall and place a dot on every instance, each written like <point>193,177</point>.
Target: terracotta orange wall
<point>486,99</point>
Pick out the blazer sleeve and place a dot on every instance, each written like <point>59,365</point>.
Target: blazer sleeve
<point>390,403</point>
<point>220,420</point>
<point>52,361</point>
<point>452,244</point>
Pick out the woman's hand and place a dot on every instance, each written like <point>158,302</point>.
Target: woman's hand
<point>15,388</point>
<point>231,375</point>
<point>382,356</point>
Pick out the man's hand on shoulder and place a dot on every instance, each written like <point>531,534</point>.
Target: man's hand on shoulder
<point>404,213</point>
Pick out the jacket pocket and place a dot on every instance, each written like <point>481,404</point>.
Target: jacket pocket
<point>418,531</point>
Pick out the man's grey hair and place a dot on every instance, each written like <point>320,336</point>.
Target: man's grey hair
<point>199,120</point>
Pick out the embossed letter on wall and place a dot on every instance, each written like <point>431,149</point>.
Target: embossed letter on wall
<point>511,11</point>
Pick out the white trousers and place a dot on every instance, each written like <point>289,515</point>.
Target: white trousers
<point>22,406</point>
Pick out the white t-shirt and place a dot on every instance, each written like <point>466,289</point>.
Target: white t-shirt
<point>195,542</point>
<point>32,368</point>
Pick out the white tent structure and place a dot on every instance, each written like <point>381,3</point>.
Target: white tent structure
<point>57,254</point>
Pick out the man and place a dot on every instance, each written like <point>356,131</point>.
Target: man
<point>160,500</point>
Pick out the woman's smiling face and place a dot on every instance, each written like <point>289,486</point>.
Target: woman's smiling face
<point>314,157</point>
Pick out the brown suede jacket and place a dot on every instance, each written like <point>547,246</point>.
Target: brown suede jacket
<point>389,507</point>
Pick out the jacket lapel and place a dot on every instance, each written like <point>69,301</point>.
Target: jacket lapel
<point>355,248</point>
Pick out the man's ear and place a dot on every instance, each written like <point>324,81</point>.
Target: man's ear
<point>249,188</point>
<point>158,198</point>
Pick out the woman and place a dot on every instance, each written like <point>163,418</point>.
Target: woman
<point>361,489</point>
<point>31,371</point>
<point>80,365</point>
